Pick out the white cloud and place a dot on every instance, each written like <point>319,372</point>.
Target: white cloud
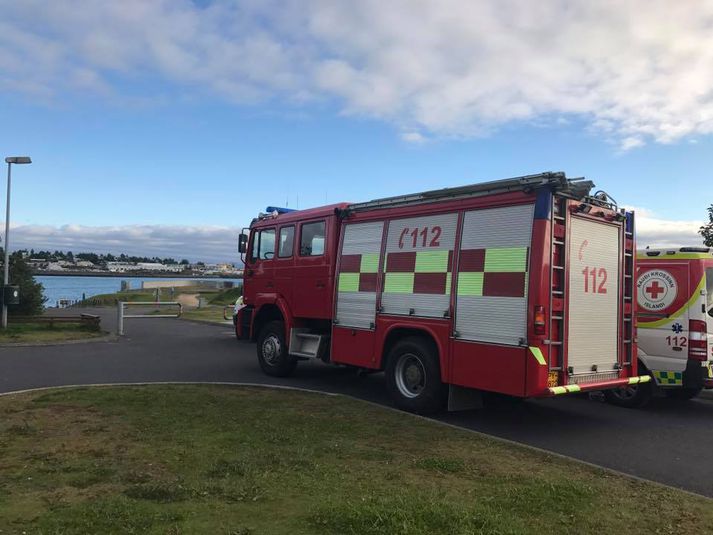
<point>636,71</point>
<point>413,137</point>
<point>217,244</point>
<point>214,244</point>
<point>656,232</point>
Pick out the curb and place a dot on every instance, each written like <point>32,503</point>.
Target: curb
<point>108,338</point>
<point>480,434</point>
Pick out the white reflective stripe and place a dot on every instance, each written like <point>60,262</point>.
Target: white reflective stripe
<point>696,336</point>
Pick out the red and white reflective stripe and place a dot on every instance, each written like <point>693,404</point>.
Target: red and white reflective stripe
<point>697,340</point>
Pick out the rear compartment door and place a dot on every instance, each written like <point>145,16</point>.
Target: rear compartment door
<point>593,305</point>
<point>357,280</point>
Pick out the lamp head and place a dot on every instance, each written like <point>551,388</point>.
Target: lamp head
<point>18,159</point>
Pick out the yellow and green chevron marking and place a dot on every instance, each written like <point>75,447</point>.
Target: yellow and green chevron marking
<point>669,378</point>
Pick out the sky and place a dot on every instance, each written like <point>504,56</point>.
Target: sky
<point>161,127</point>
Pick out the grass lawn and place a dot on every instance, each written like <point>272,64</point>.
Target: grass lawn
<point>210,313</point>
<point>39,332</point>
<point>208,459</point>
<point>212,296</point>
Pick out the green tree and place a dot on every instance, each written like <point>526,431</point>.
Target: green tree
<point>707,230</point>
<point>32,299</point>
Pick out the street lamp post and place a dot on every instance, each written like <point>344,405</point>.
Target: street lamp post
<point>6,266</point>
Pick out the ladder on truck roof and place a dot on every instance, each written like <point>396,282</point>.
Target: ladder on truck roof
<point>577,188</point>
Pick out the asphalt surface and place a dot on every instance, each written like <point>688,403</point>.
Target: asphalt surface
<point>669,442</point>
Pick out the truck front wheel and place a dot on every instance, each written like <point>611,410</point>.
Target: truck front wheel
<point>272,351</point>
<point>413,376</point>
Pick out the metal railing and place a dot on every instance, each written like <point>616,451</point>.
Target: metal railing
<point>121,316</point>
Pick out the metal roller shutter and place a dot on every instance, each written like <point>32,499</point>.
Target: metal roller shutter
<point>356,280</point>
<point>491,302</point>
<point>418,266</point>
<point>593,309</point>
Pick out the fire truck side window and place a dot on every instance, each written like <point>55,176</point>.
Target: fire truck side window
<point>267,244</point>
<point>256,244</point>
<point>709,291</point>
<point>263,245</point>
<point>287,242</point>
<point>312,239</point>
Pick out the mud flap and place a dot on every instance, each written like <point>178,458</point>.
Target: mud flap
<point>695,374</point>
<point>464,399</point>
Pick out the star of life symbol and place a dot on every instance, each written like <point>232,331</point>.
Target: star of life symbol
<point>656,289</point>
<point>677,328</point>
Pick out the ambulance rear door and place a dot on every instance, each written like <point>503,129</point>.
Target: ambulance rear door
<point>663,291</point>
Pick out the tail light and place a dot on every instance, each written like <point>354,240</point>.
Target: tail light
<point>697,340</point>
<point>539,319</point>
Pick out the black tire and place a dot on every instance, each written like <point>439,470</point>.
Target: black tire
<point>413,376</point>
<point>630,396</point>
<point>272,351</point>
<point>683,394</point>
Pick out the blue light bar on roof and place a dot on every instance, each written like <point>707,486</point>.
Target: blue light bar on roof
<point>271,209</point>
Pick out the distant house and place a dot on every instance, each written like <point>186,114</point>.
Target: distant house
<point>120,267</point>
<point>55,266</point>
<point>85,264</point>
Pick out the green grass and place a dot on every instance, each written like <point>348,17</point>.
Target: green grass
<point>212,296</point>
<point>226,297</point>
<point>201,459</point>
<point>210,313</point>
<point>113,299</point>
<point>42,332</point>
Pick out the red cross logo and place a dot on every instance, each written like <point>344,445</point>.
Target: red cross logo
<point>654,290</point>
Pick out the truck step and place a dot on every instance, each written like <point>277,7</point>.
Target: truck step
<point>306,344</point>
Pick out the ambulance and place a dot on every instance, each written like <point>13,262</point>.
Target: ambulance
<point>674,290</point>
<point>521,287</point>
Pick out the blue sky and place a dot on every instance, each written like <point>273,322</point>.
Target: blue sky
<point>149,139</point>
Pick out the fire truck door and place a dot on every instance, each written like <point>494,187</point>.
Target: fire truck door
<point>355,315</point>
<point>312,290</point>
<point>418,266</point>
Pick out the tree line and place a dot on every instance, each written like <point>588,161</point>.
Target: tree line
<point>96,258</point>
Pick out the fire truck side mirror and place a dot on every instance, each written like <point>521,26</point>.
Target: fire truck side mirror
<point>242,243</point>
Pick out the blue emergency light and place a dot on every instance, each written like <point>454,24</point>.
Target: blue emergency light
<point>271,209</point>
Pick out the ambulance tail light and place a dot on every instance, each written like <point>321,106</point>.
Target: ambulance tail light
<point>697,340</point>
<point>539,319</point>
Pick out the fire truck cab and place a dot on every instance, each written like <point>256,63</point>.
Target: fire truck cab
<point>674,289</point>
<point>520,286</point>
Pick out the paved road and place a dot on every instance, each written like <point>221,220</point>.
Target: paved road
<point>667,442</point>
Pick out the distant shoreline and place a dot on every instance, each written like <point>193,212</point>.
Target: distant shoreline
<point>132,275</point>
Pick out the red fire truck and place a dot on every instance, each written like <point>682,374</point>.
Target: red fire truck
<point>520,286</point>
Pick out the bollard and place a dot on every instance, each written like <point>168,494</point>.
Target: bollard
<point>120,318</point>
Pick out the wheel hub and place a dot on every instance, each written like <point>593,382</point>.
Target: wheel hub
<point>271,349</point>
<point>410,375</point>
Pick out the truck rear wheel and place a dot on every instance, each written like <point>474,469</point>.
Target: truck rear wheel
<point>413,376</point>
<point>683,394</point>
<point>272,351</point>
<point>630,396</point>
